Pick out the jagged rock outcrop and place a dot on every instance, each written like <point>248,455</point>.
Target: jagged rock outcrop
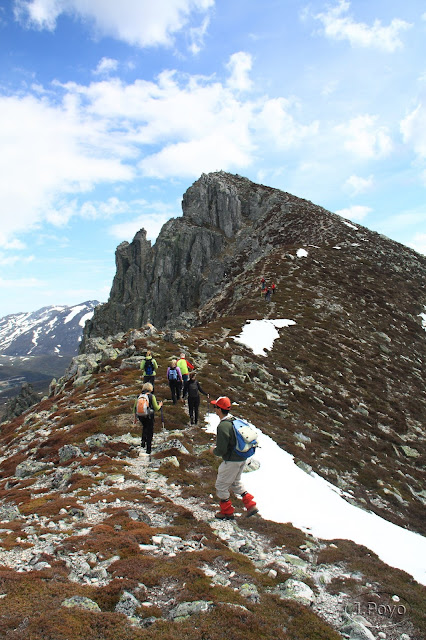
<point>228,224</point>
<point>25,399</point>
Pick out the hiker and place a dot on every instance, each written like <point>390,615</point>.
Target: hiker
<point>192,390</point>
<point>149,366</point>
<point>231,468</point>
<point>147,421</point>
<point>267,294</point>
<point>174,376</point>
<point>184,366</point>
<point>263,284</point>
<point>273,287</point>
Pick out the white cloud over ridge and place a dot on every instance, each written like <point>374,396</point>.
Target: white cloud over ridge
<point>364,137</point>
<point>418,243</point>
<point>356,212</point>
<point>357,184</point>
<point>141,23</point>
<point>66,141</point>
<point>413,129</point>
<point>338,26</point>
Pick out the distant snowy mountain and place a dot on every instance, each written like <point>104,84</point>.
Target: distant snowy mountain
<point>54,330</point>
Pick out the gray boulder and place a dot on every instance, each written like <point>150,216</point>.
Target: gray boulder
<point>187,609</point>
<point>127,604</point>
<point>68,452</point>
<point>25,399</point>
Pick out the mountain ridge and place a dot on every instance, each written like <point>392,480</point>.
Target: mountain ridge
<point>194,255</point>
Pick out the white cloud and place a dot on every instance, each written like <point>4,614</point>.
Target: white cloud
<point>339,26</point>
<point>21,283</point>
<point>365,138</point>
<point>356,185</point>
<point>239,66</point>
<point>418,243</point>
<point>276,121</point>
<point>196,36</point>
<point>67,140</point>
<point>11,260</point>
<point>47,150</point>
<point>356,212</point>
<point>106,65</point>
<point>141,23</point>
<point>213,152</point>
<point>413,129</point>
<point>151,216</point>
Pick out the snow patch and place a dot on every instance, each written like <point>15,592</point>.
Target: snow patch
<point>83,319</point>
<point>423,317</point>
<point>349,224</point>
<point>316,506</point>
<point>302,253</point>
<point>74,312</point>
<point>259,335</point>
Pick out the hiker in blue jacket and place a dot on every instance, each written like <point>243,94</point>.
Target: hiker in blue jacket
<point>230,470</point>
<point>174,376</point>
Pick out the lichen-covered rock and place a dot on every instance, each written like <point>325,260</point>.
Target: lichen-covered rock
<point>68,452</point>
<point>81,603</point>
<point>30,468</point>
<point>9,512</point>
<point>296,590</point>
<point>127,604</point>
<point>186,609</point>
<point>25,399</point>
<point>355,630</point>
<point>249,591</point>
<point>97,441</point>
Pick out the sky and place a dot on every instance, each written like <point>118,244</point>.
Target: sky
<point>314,504</point>
<point>110,110</point>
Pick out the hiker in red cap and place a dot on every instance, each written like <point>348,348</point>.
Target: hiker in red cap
<point>230,470</point>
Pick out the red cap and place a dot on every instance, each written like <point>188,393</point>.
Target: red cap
<point>223,402</point>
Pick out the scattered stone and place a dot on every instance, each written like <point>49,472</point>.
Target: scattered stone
<point>61,478</point>
<point>295,590</point>
<point>25,399</point>
<point>250,592</point>
<point>356,631</point>
<point>97,441</point>
<point>30,468</point>
<point>410,452</point>
<point>187,609</point>
<point>81,603</point>
<point>9,512</point>
<point>127,604</point>
<point>68,452</point>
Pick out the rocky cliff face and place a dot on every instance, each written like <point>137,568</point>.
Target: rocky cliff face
<point>229,223</point>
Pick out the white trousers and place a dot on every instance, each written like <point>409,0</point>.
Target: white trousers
<point>229,479</point>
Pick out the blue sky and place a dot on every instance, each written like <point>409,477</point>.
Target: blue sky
<point>110,110</point>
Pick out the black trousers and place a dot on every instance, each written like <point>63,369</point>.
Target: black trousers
<point>175,388</point>
<point>147,432</point>
<point>193,406</point>
<point>150,379</point>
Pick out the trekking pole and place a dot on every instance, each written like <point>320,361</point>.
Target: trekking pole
<point>162,419</point>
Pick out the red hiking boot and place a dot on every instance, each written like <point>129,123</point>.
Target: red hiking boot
<point>249,504</point>
<point>226,510</point>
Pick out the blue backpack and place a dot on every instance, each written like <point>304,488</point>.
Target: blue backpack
<point>149,367</point>
<point>173,374</point>
<point>246,436</point>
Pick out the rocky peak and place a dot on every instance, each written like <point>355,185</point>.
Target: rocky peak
<point>228,224</point>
